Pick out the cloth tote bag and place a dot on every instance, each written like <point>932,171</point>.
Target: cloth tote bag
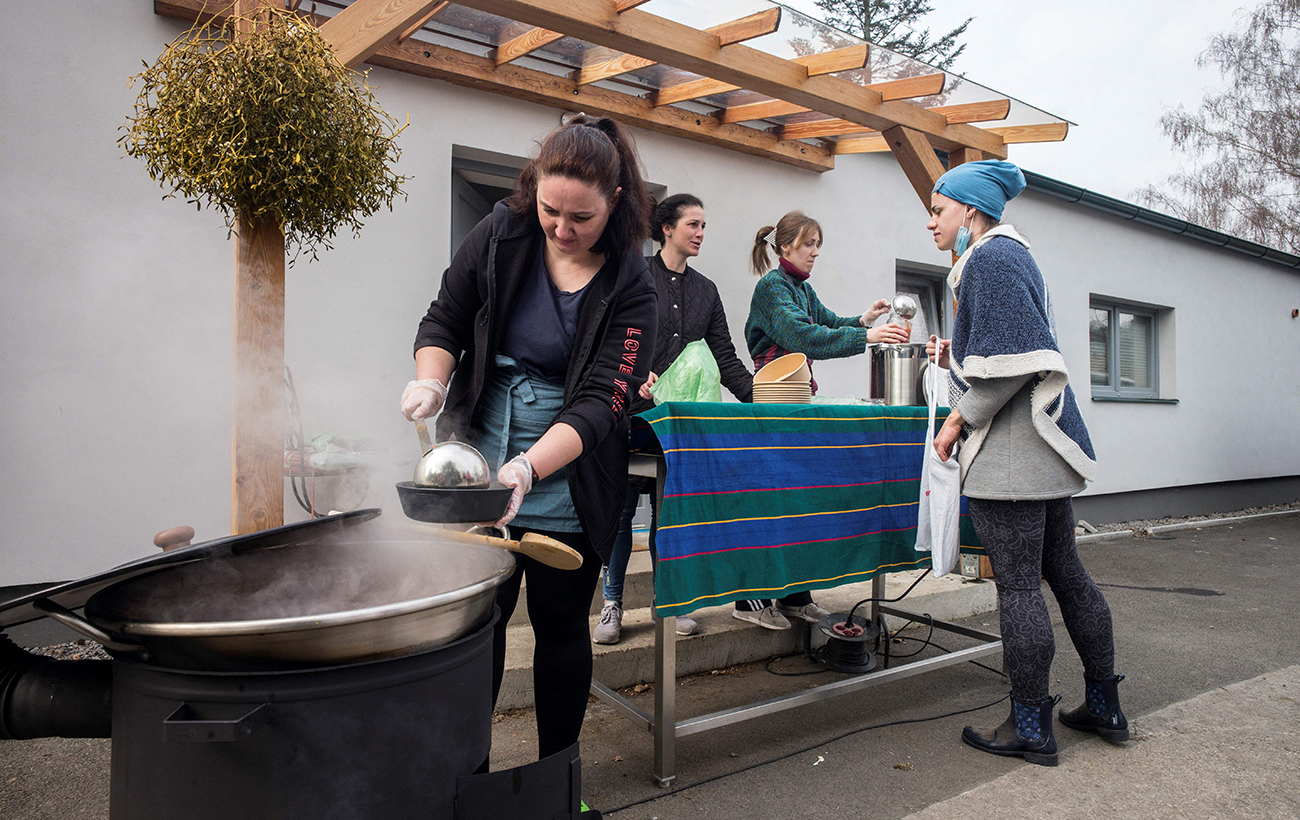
<point>939,507</point>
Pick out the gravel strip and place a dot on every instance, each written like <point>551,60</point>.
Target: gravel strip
<point>1140,527</point>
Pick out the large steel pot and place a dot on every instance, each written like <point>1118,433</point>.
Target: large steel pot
<point>314,605</point>
<point>896,373</point>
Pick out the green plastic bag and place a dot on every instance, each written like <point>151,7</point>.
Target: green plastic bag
<point>693,376</point>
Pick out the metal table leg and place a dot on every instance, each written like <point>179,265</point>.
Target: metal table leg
<point>665,715</point>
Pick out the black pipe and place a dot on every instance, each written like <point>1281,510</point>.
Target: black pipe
<point>43,697</point>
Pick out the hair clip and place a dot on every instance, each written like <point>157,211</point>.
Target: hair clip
<point>771,238</point>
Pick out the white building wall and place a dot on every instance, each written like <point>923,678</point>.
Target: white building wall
<point>117,335</point>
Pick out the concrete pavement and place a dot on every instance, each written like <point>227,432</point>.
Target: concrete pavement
<point>1206,630</point>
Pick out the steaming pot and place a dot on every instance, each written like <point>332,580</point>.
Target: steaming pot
<point>896,373</point>
<point>285,598</point>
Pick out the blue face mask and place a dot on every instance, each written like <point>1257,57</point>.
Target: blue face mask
<point>963,240</point>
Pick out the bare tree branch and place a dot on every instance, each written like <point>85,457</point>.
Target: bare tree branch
<point>1244,139</point>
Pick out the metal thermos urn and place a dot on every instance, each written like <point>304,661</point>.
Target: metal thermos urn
<point>896,373</point>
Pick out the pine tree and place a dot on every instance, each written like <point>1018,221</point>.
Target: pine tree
<point>892,25</point>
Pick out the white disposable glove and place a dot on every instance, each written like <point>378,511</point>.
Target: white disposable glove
<point>423,398</point>
<point>516,473</point>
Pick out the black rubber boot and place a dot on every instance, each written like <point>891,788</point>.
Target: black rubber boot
<point>1100,712</point>
<point>1027,733</point>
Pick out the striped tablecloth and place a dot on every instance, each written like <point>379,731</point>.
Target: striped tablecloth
<point>762,500</point>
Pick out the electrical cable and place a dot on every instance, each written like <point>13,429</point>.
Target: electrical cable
<point>854,610</point>
<point>926,643</point>
<point>846,654</point>
<point>804,750</point>
<point>767,665</point>
<point>297,441</point>
<point>944,649</point>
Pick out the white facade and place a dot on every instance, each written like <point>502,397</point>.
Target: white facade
<point>117,335</point>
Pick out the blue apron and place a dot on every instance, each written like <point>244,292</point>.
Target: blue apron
<point>514,413</point>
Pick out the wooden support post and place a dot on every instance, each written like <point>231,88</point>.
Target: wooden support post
<point>257,476</point>
<point>257,452</point>
<point>917,159</point>
<point>959,156</point>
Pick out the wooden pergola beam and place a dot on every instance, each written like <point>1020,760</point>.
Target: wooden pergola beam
<point>434,12</point>
<point>726,34</point>
<point>468,70</point>
<point>366,26</point>
<point>990,110</point>
<point>680,46</point>
<point>826,62</point>
<point>983,111</point>
<point>471,71</point>
<point>909,88</point>
<point>889,90</point>
<point>1043,132</point>
<point>525,43</point>
<point>916,157</point>
<point>872,143</point>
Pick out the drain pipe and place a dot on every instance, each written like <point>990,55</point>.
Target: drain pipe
<point>43,697</point>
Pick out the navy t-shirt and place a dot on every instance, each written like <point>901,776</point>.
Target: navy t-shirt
<point>544,322</point>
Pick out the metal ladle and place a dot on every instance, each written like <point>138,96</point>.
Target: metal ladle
<point>449,465</point>
<point>904,306</point>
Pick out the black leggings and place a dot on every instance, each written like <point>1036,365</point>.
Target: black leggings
<point>1027,541</point>
<point>558,604</point>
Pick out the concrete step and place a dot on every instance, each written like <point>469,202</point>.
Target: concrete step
<point>724,641</point>
<point>638,584</point>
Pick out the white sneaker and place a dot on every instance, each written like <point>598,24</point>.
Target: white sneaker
<point>686,626</point>
<point>812,613</point>
<point>767,617</point>
<point>611,623</point>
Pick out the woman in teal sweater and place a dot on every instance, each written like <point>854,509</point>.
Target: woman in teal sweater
<point>785,316</point>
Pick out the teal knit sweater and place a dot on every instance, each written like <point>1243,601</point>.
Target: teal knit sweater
<point>788,314</point>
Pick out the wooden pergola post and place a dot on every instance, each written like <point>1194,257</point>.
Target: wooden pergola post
<point>257,452</point>
<point>257,466</point>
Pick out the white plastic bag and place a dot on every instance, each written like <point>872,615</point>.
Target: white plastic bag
<point>939,508</point>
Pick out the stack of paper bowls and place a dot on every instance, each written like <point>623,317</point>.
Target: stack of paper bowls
<point>786,380</point>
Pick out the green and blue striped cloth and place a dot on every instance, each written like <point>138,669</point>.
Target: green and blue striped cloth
<point>762,500</point>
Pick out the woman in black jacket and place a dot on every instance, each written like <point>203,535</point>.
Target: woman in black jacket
<point>544,318</point>
<point>690,309</point>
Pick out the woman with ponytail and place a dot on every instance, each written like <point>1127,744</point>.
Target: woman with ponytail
<point>785,316</point>
<point>690,309</point>
<point>544,319</point>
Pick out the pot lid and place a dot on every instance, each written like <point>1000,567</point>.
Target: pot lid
<point>75,594</point>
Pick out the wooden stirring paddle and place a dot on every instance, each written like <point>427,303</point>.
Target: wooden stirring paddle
<point>538,547</point>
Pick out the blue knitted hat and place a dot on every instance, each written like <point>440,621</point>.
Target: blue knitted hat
<point>988,185</point>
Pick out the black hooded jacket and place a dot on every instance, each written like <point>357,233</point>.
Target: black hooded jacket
<point>611,354</point>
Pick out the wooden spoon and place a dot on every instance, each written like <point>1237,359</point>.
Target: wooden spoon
<point>548,551</point>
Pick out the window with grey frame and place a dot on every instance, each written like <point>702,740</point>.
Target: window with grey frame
<point>929,290</point>
<point>1123,350</point>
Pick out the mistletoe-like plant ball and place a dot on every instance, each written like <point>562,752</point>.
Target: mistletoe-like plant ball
<point>268,124</point>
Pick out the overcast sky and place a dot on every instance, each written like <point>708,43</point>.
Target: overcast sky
<point>1112,67</point>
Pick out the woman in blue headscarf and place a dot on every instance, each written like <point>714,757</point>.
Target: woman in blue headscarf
<point>1024,451</point>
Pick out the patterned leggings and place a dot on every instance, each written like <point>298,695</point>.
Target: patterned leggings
<point>1027,541</point>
